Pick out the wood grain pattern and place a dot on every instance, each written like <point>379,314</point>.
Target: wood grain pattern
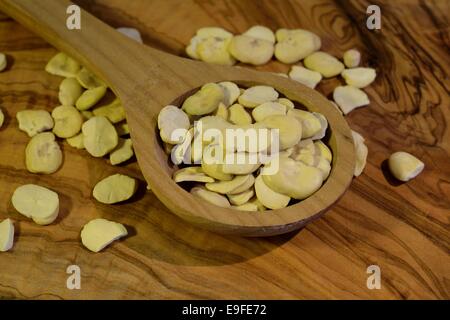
<point>402,228</point>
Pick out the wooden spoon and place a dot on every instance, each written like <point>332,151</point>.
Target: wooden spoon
<point>146,79</point>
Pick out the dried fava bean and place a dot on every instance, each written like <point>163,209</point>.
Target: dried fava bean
<point>326,64</point>
<point>359,77</point>
<point>170,119</point>
<point>229,187</point>
<point>191,174</point>
<point>89,80</point>
<point>69,91</point>
<point>323,126</point>
<point>290,129</point>
<point>352,58</point>
<point>261,32</point>
<point>311,124</point>
<point>76,141</point>
<point>222,111</point>
<point>305,151</point>
<point>360,153</point>
<point>323,150</point>
<point>284,75</point>
<point>114,189</point>
<point>67,120</point>
<point>238,115</point>
<point>231,92</point>
<point>249,206</point>
<point>215,171</point>
<point>2,117</point>
<point>241,198</point>
<point>268,197</point>
<point>304,76</point>
<point>62,65</point>
<point>34,121</point>
<point>251,50</point>
<point>268,109</point>
<point>201,35</point>
<point>324,166</point>
<point>42,154</point>
<point>349,98</point>
<point>131,33</point>
<point>122,128</point>
<point>254,96</point>
<point>3,62</point>
<point>99,233</point>
<point>241,163</point>
<point>6,235</point>
<point>215,50</point>
<point>99,136</point>
<point>90,97</point>
<point>405,166</point>
<point>294,179</point>
<point>204,101</point>
<point>258,204</point>
<point>122,153</point>
<point>114,111</point>
<point>294,45</point>
<point>210,196</point>
<point>181,152</point>
<point>87,114</point>
<point>288,103</point>
<point>36,202</point>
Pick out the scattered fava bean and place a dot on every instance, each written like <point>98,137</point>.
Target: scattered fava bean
<point>90,97</point>
<point>62,65</point>
<point>361,152</point>
<point>68,121</point>
<point>211,197</point>
<point>6,235</point>
<point>122,128</point>
<point>233,186</point>
<point>34,121</point>
<point>99,233</point>
<point>268,197</point>
<point>76,141</point>
<point>405,166</point>
<point>89,80</point>
<point>3,62</point>
<point>171,119</point>
<point>231,92</point>
<point>261,32</point>
<point>359,77</point>
<point>123,152</point>
<point>114,111</point>
<point>254,96</point>
<point>215,50</point>
<point>114,189</point>
<point>294,179</point>
<point>304,76</point>
<point>131,33</point>
<point>352,58</point>
<point>2,118</point>
<point>195,174</point>
<point>222,111</point>
<point>204,101</point>
<point>251,50</point>
<point>69,91</point>
<point>349,98</point>
<point>326,64</point>
<point>241,198</point>
<point>268,109</point>
<point>249,206</point>
<point>202,35</point>
<point>99,136</point>
<point>36,202</point>
<point>238,115</point>
<point>42,154</point>
<point>294,45</point>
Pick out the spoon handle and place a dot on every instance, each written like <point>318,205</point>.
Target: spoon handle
<point>108,53</point>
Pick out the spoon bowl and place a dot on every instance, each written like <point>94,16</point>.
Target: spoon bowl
<point>146,80</point>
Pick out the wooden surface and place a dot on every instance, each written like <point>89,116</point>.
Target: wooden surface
<point>403,228</point>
